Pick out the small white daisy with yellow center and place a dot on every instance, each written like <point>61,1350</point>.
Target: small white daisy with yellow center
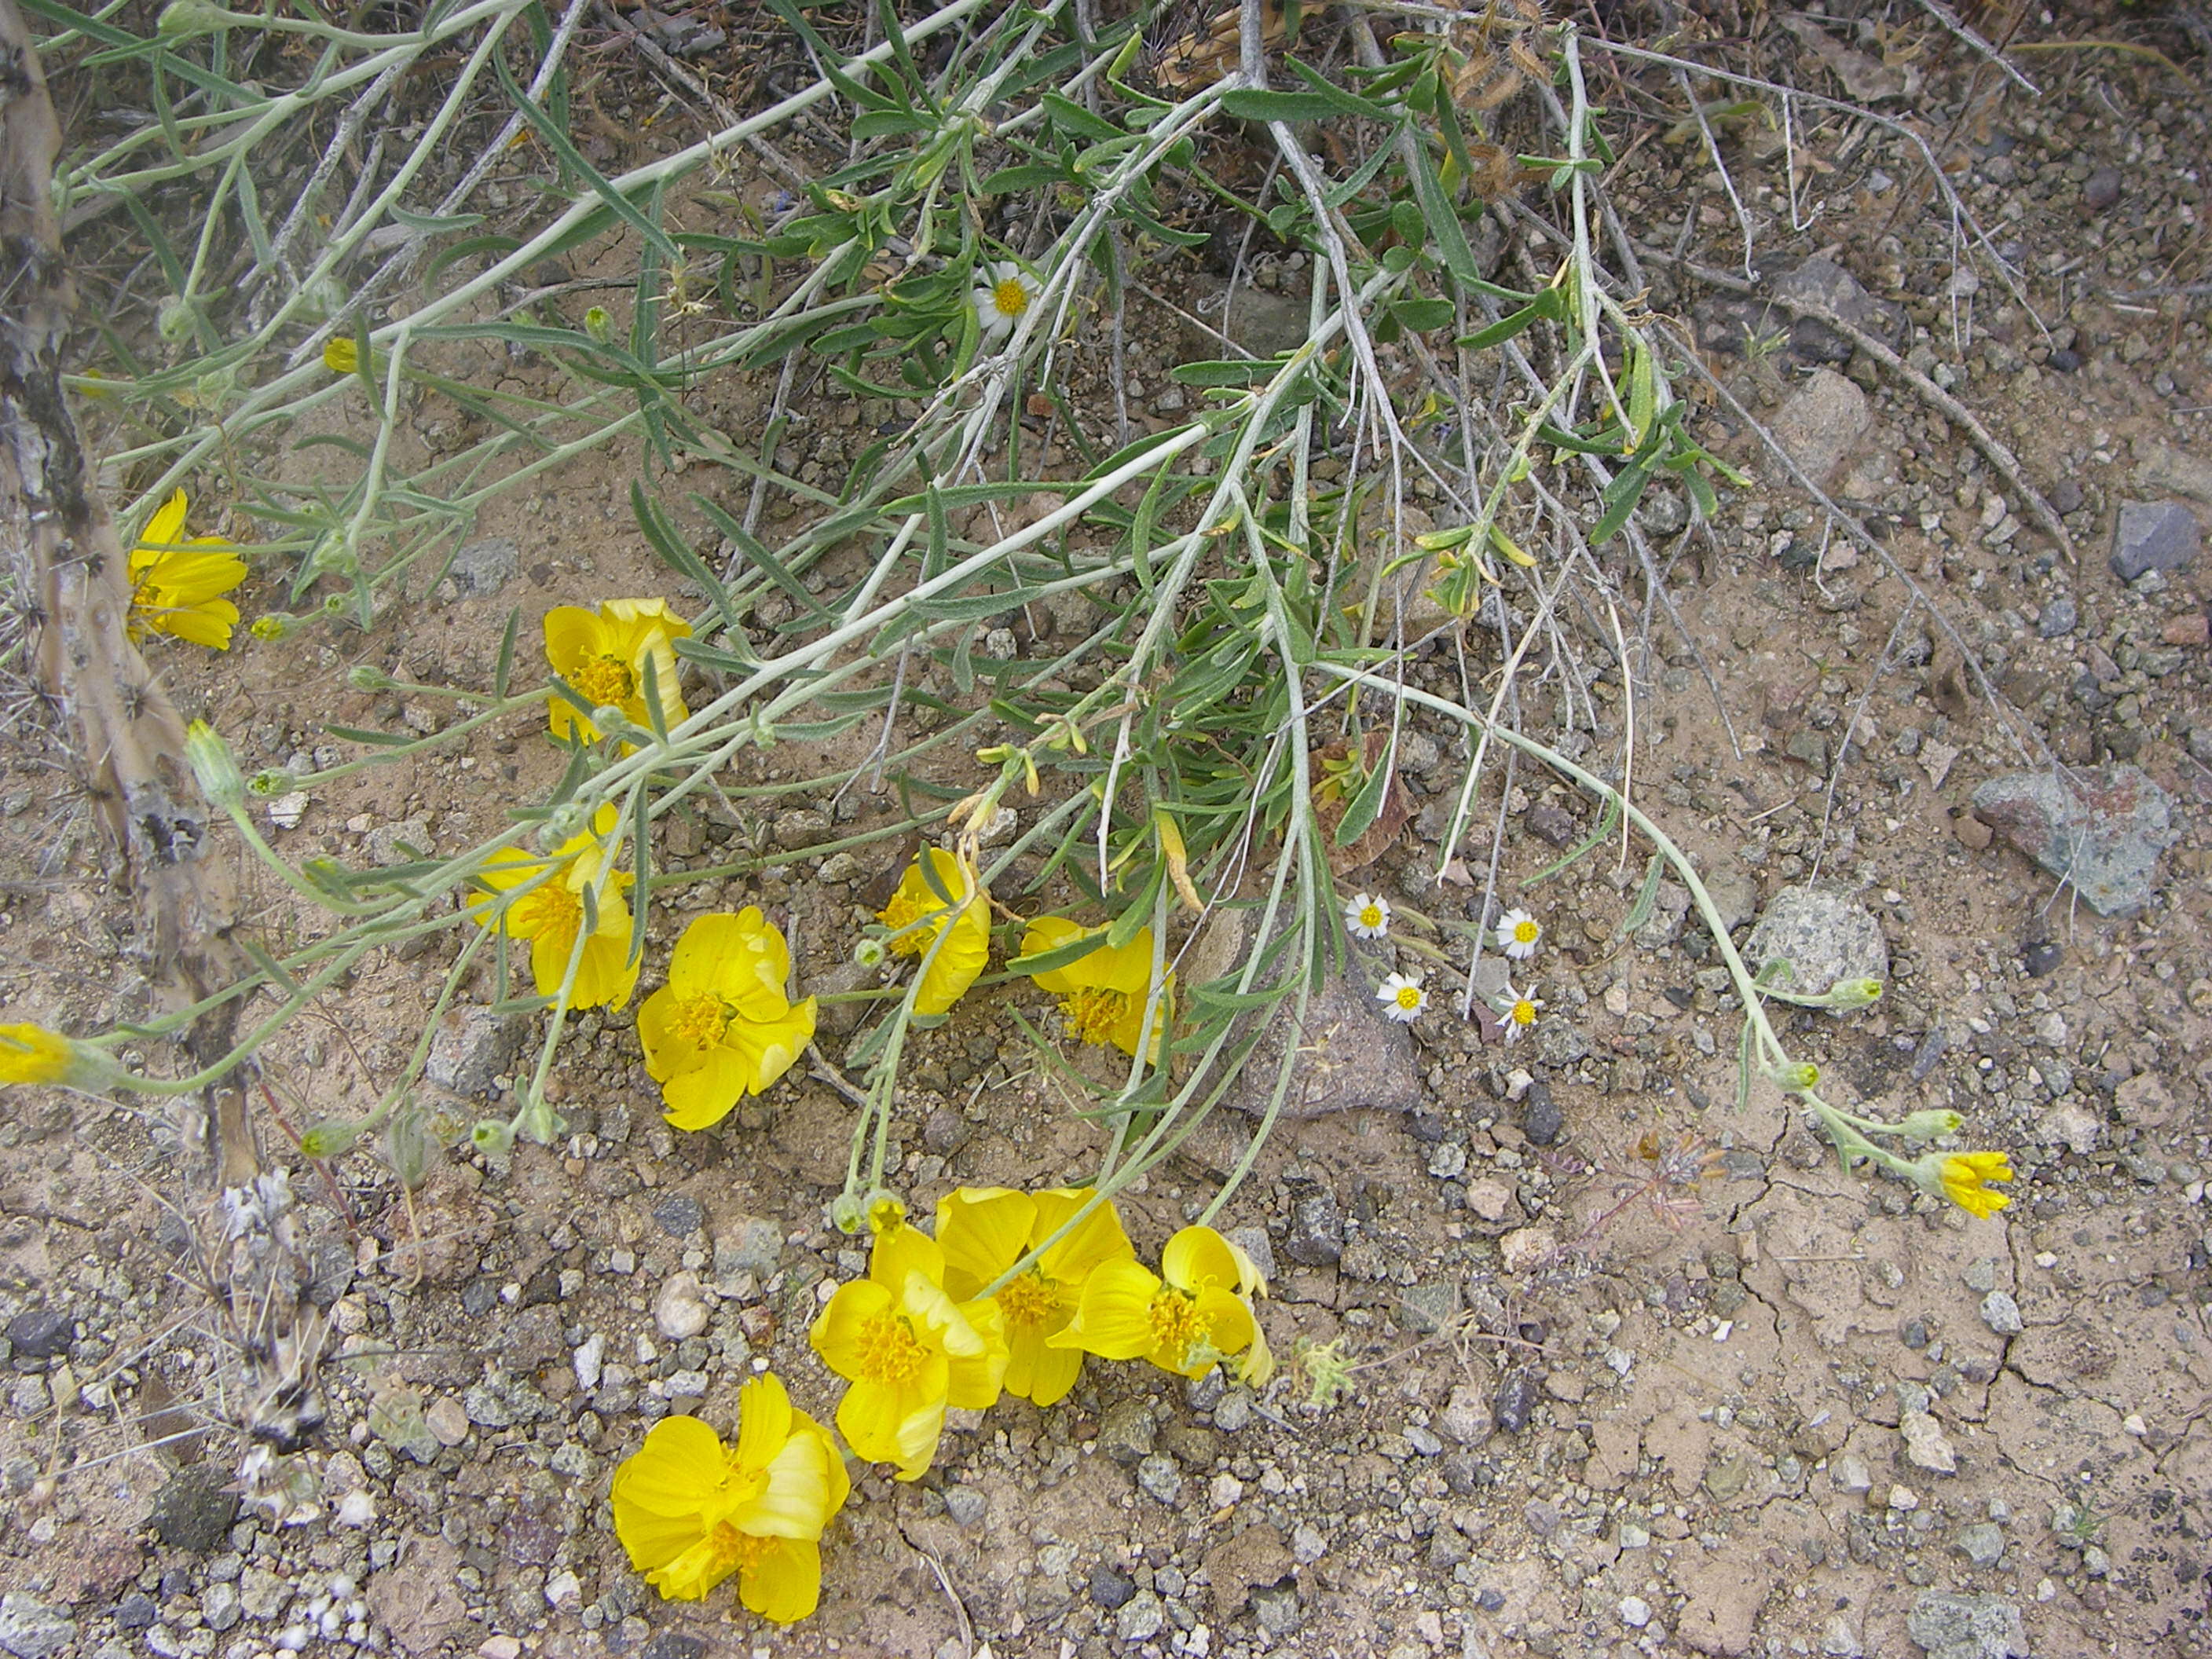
<point>1402,998</point>
<point>1002,297</point>
<point>1516,1011</point>
<point>1367,917</point>
<point>1518,933</point>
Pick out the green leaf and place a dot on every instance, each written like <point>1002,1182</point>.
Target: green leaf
<point>1420,314</point>
<point>571,158</point>
<point>1249,371</point>
<point>677,553</point>
<point>1366,806</point>
<point>1076,121</point>
<point>1446,234</point>
<point>1620,498</point>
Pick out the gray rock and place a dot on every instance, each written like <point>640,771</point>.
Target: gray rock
<point>1823,934</point>
<point>945,1131</point>
<point>1255,1243</point>
<point>2100,830</point>
<point>1159,1478</point>
<point>192,1512</point>
<point>1823,423</point>
<point>1465,1416</point>
<point>472,1047</point>
<point>1948,1626</point>
<point>263,1594</point>
<point>1317,1238</point>
<point>1733,891</point>
<point>1424,1309</point>
<point>674,1644</point>
<point>679,1216</point>
<point>1276,1608</point>
<point>2154,536</point>
<point>1984,1543</point>
<point>2002,1314</point>
<point>1127,1433</point>
<point>387,844</point>
<point>30,1629</point>
<point>1141,1617</point>
<point>1111,1588</point>
<point>1350,1057</point>
<point>1926,1445</point>
<point>964,1505</point>
<point>1826,286</point>
<point>750,1245</point>
<point>484,566</point>
<point>1552,823</point>
<point>1542,1119</point>
<point>1517,1398</point>
<point>136,1611</point>
<point>2100,191</point>
<point>2059,618</point>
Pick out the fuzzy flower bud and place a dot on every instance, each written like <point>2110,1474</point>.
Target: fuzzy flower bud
<point>1930,1125</point>
<point>212,763</point>
<point>367,676</point>
<point>1794,1078</point>
<point>492,1137</point>
<point>1852,994</point>
<point>329,1138</point>
<point>847,1214</point>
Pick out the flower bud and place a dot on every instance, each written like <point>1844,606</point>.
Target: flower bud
<point>869,953</point>
<point>174,318</point>
<point>847,1214</point>
<point>182,19</point>
<point>273,627</point>
<point>1794,1078</point>
<point>885,1212</point>
<point>491,1137</point>
<point>1852,994</point>
<point>367,676</point>
<point>598,325</point>
<point>562,824</point>
<point>329,1138</point>
<point>219,780</point>
<point>1930,1125</point>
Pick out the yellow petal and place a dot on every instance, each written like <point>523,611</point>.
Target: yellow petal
<point>1112,1319</point>
<point>841,1327</point>
<point>1098,1239</point>
<point>1050,933</point>
<point>763,1420</point>
<point>660,1492</point>
<point>784,1583</point>
<point>1199,1256</point>
<point>168,520</point>
<point>983,1230</point>
<point>973,1381</point>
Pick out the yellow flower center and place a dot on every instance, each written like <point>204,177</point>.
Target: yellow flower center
<point>548,910</point>
<point>604,682</point>
<point>889,1350</point>
<point>1524,932</point>
<point>701,1020</point>
<point>1176,1324</point>
<point>1031,1300</point>
<point>1371,916</point>
<point>1409,998</point>
<point>1009,298</point>
<point>904,910</point>
<point>735,1551</point>
<point>1522,1013</point>
<point>1092,1012</point>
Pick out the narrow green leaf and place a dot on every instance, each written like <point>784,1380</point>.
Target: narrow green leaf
<point>573,158</point>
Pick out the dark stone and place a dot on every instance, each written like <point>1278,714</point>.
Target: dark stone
<point>42,1333</point>
<point>136,1611</point>
<point>2100,191</point>
<point>2064,495</point>
<point>1316,1237</point>
<point>2066,360</point>
<point>1915,1334</point>
<point>478,1296</point>
<point>1516,1397</point>
<point>679,1216</point>
<point>1550,822</point>
<point>2042,957</point>
<point>1111,1588</point>
<point>193,1513</point>
<point>1490,1601</point>
<point>945,1131</point>
<point>1426,1127</point>
<point>2059,618</point>
<point>670,1645</point>
<point>2154,536</point>
<point>1540,1118</point>
<point>542,1288</point>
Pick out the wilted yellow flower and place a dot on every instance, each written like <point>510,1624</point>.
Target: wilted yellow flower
<point>603,655</point>
<point>551,914</point>
<point>1965,1177</point>
<point>722,1027</point>
<point>32,1054</point>
<point>340,355</point>
<point>176,586</point>
<point>691,1512</point>
<point>908,1350</point>
<point>1188,1321</point>
<point>918,918</point>
<point>1103,995</point>
<point>984,1231</point>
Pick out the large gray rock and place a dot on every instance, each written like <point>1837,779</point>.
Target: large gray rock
<point>1823,423</point>
<point>2099,830</point>
<point>1952,1626</point>
<point>2154,536</point>
<point>30,1629</point>
<point>1350,1057</point>
<point>1823,934</point>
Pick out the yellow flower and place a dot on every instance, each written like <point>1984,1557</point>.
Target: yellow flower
<point>691,1512</point>
<point>1964,1176</point>
<point>551,914</point>
<point>176,588</point>
<point>1187,1322</point>
<point>1103,995</point>
<point>918,918</point>
<point>340,355</point>
<point>984,1231</point>
<point>32,1054</point>
<point>602,653</point>
<point>722,1028</point>
<point>908,1350</point>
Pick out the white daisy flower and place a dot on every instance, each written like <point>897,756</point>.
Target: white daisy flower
<point>1518,933</point>
<point>1367,917</point>
<point>1002,298</point>
<point>1516,1011</point>
<point>1402,998</point>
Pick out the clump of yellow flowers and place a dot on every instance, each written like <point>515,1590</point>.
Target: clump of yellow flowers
<point>939,1323</point>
